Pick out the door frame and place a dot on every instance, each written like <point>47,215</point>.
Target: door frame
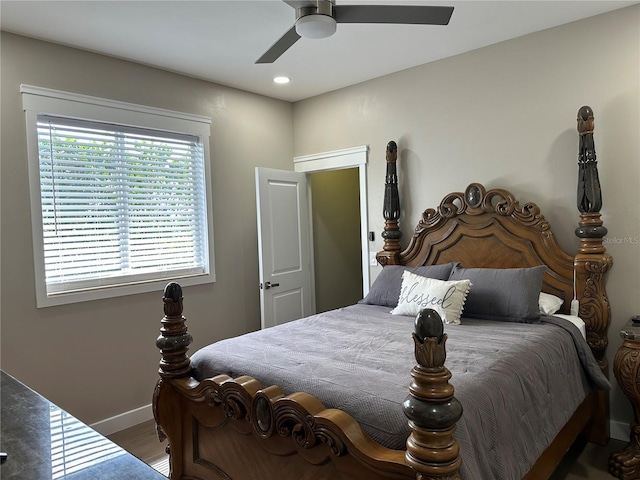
<point>355,157</point>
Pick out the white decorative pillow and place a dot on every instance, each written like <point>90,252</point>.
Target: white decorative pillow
<point>446,298</point>
<point>549,304</point>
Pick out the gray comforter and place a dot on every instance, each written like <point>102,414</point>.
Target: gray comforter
<point>518,383</point>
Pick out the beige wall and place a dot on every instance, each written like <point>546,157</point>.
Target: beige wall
<point>98,359</point>
<point>505,115</point>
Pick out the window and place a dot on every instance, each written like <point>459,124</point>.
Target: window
<point>119,197</point>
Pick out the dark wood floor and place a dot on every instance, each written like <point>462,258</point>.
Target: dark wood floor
<point>582,462</point>
<point>141,440</point>
<point>588,461</point>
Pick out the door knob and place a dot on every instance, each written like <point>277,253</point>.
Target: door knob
<point>268,285</point>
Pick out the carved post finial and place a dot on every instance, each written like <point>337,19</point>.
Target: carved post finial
<point>589,194</point>
<point>392,152</point>
<point>391,210</point>
<point>590,230</point>
<point>174,340</point>
<point>431,408</point>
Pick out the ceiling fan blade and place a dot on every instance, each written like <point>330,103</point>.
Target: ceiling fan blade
<point>402,14</point>
<point>281,46</point>
<point>299,3</point>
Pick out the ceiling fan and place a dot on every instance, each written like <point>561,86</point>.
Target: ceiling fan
<point>318,19</point>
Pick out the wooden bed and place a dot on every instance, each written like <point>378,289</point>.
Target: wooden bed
<point>236,428</point>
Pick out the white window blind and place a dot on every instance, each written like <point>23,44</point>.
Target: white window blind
<point>119,204</point>
<point>120,197</point>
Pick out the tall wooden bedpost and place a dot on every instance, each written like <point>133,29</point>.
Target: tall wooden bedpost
<point>431,408</point>
<point>390,254</point>
<point>591,263</point>
<point>173,342</point>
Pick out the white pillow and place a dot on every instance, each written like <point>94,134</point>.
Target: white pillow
<point>549,304</point>
<point>446,298</point>
<point>577,321</point>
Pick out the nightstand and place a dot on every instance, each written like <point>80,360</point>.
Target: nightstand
<point>625,464</point>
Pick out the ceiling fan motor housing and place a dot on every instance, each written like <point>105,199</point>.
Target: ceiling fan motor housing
<point>317,21</point>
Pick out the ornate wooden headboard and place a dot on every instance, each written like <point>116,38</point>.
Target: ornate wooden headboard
<point>483,228</point>
<point>490,229</point>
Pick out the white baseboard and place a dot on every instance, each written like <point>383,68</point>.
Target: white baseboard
<point>619,430</point>
<point>123,421</point>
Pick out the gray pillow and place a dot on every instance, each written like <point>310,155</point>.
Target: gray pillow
<point>507,294</point>
<point>385,290</point>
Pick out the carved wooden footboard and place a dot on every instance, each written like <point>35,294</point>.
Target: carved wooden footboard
<point>236,428</point>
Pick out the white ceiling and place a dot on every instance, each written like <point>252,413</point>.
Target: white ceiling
<point>220,40</point>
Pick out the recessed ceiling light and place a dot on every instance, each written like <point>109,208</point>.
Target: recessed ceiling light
<point>281,80</point>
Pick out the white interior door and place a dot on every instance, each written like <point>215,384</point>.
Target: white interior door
<point>284,246</point>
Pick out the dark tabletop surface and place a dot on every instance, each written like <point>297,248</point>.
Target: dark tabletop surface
<point>43,442</point>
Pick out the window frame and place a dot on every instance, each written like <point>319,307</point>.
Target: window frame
<point>43,101</point>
